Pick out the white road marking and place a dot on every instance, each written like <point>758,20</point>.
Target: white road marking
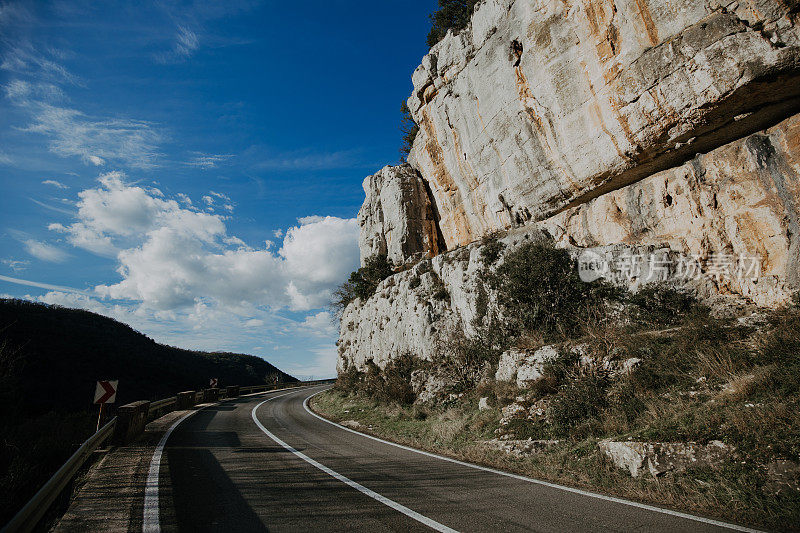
<point>361,488</point>
<point>653,508</point>
<point>151,522</point>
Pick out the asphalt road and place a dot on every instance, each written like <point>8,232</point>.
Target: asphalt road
<point>266,463</point>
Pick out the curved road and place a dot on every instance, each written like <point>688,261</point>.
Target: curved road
<point>266,463</point>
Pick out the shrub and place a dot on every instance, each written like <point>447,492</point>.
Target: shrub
<point>392,384</point>
<point>409,128</point>
<point>349,380</point>
<point>451,15</point>
<point>659,305</point>
<point>466,361</point>
<point>492,248</point>
<point>538,289</point>
<point>397,379</point>
<point>362,283</point>
<point>579,402</point>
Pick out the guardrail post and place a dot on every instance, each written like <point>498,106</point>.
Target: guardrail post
<point>131,420</point>
<point>186,400</point>
<point>210,395</point>
<point>232,391</point>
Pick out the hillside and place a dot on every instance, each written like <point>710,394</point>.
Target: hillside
<point>53,356</point>
<point>50,359</point>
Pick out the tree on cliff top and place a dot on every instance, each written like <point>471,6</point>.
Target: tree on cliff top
<point>452,14</point>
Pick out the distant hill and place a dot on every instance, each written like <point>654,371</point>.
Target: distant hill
<point>51,357</point>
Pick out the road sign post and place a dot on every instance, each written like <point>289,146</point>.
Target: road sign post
<point>105,392</point>
<point>213,382</point>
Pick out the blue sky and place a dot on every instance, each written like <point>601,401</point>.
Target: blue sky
<point>194,168</point>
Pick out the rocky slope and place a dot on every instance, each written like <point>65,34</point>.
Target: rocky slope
<point>650,129</point>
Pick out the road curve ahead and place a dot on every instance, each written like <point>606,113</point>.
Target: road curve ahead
<point>266,463</point>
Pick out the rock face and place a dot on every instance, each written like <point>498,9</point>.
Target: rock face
<point>397,218</point>
<point>742,199</point>
<point>538,106</point>
<point>665,129</point>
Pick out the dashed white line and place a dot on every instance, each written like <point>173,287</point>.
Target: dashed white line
<point>433,524</point>
<point>653,508</point>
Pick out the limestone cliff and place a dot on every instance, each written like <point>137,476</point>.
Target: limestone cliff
<point>397,218</point>
<point>617,126</point>
<point>542,105</point>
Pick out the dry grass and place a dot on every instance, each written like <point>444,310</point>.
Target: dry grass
<point>705,380</point>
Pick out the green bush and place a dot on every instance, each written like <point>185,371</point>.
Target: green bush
<point>656,304</point>
<point>579,402</point>
<point>362,283</point>
<point>491,249</point>
<point>392,384</point>
<point>451,15</point>
<point>397,379</point>
<point>538,289</point>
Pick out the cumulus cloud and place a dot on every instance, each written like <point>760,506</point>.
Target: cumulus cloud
<point>171,257</point>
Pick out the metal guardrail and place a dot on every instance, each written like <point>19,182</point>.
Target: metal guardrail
<point>29,516</point>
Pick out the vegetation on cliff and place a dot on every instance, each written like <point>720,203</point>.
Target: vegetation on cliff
<point>451,15</point>
<point>362,282</point>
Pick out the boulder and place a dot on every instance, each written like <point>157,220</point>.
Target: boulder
<point>483,403</point>
<point>659,458</point>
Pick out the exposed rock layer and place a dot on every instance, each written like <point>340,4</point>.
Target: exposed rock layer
<point>397,217</point>
<point>541,105</point>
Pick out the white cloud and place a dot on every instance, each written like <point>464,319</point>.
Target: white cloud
<point>39,285</point>
<point>16,265</point>
<point>171,257</point>
<point>55,183</point>
<point>207,161</point>
<point>73,133</point>
<point>220,195</point>
<point>5,159</point>
<point>185,44</point>
<point>319,324</point>
<point>309,160</point>
<point>184,198</point>
<point>208,200</point>
<point>27,60</point>
<point>44,251</point>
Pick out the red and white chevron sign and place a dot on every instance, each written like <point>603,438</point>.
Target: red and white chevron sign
<point>213,382</point>
<point>106,392</point>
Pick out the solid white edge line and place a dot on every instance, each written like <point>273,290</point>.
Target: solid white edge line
<point>653,508</point>
<point>151,520</point>
<point>361,488</point>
